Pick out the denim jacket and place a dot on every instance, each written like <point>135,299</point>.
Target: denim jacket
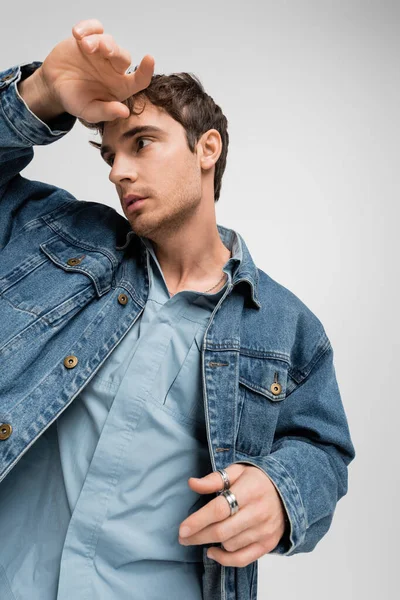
<point>271,397</point>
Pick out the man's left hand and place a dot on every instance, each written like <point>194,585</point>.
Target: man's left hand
<point>253,531</point>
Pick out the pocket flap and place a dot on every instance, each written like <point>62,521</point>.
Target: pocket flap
<point>260,375</point>
<point>71,257</point>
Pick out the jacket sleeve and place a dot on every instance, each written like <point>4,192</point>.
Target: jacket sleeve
<point>309,458</point>
<point>20,130</point>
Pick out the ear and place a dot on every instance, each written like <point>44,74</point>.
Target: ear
<point>209,148</point>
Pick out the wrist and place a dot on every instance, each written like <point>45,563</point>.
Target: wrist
<point>39,98</point>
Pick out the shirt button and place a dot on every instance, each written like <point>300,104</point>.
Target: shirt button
<point>5,431</point>
<point>123,299</point>
<point>70,361</point>
<point>276,389</point>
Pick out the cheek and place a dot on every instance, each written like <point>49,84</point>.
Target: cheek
<point>170,173</point>
<point>188,173</point>
<point>178,174</point>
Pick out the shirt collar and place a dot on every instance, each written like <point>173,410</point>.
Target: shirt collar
<point>243,267</point>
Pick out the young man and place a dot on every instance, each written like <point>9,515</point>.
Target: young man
<point>140,352</point>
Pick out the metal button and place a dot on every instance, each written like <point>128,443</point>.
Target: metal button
<point>5,431</point>
<point>70,361</point>
<point>276,389</point>
<point>123,299</point>
<point>75,261</point>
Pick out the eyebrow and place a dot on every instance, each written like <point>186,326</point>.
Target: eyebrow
<point>130,134</point>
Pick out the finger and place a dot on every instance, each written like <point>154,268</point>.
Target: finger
<point>213,482</point>
<point>263,534</point>
<point>229,528</point>
<point>119,58</point>
<point>106,111</point>
<point>105,45</point>
<point>90,43</point>
<point>248,487</point>
<point>141,78</point>
<point>244,538</point>
<point>241,558</point>
<point>214,511</point>
<point>87,27</point>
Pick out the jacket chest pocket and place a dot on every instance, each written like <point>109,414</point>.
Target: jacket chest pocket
<point>262,390</point>
<point>52,283</point>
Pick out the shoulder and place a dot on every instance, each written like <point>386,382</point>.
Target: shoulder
<point>98,224</point>
<point>289,326</point>
<point>283,302</point>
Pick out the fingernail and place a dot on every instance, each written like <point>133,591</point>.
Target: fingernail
<point>79,31</point>
<point>184,532</point>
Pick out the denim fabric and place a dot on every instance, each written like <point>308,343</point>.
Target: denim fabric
<point>258,333</point>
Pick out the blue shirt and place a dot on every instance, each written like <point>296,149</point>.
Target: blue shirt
<point>113,470</point>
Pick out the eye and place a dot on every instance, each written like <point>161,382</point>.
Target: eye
<point>142,139</point>
<point>109,161</point>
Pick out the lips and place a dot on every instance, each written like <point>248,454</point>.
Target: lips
<point>131,198</point>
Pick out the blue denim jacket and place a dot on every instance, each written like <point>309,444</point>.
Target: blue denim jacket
<point>271,397</point>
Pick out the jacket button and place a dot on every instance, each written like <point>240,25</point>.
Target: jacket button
<point>70,361</point>
<point>5,431</point>
<point>123,299</point>
<point>276,389</point>
<point>75,261</point>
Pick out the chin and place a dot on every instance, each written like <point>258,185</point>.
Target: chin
<point>141,229</point>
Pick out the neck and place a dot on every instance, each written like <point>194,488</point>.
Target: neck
<point>192,257</point>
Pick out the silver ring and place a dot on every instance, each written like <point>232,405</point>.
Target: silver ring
<point>131,69</point>
<point>233,503</point>
<point>225,478</point>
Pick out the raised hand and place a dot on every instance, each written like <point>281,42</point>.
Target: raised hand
<point>86,74</point>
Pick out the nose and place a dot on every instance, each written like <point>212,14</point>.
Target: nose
<point>123,168</point>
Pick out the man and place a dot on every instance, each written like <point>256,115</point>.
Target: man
<point>138,352</point>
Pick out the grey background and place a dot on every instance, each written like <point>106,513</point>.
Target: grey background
<point>311,92</point>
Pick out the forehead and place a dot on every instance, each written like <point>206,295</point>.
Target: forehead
<point>151,116</point>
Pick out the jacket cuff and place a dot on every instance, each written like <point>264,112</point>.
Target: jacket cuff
<point>291,499</point>
<point>19,116</point>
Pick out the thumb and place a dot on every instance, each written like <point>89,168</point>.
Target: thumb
<point>99,110</point>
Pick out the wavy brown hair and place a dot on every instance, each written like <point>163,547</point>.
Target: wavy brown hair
<point>183,97</point>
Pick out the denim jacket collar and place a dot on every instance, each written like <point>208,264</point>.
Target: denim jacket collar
<point>246,271</point>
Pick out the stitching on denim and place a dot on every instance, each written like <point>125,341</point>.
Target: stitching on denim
<point>99,249</point>
<point>3,107</point>
<point>18,308</point>
<point>327,346</point>
<point>270,457</point>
